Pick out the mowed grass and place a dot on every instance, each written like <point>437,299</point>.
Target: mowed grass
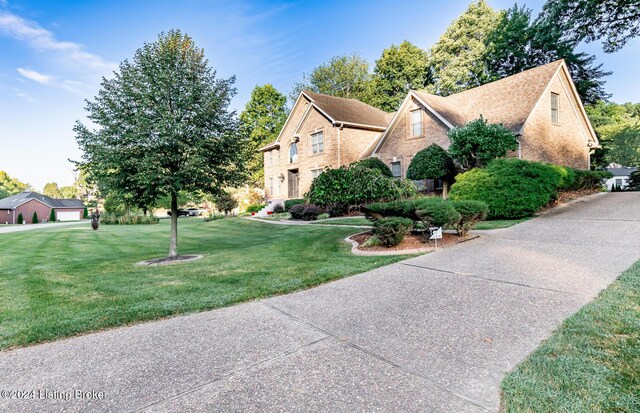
<point>499,223</point>
<point>590,364</point>
<point>61,282</point>
<point>345,221</point>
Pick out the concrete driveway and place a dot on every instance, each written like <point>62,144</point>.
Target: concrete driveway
<point>433,334</point>
<point>5,229</point>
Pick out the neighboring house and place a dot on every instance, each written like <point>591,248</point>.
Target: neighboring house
<point>26,203</point>
<point>321,131</point>
<point>540,105</point>
<point>620,176</point>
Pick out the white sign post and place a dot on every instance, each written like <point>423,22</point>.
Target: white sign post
<point>436,234</point>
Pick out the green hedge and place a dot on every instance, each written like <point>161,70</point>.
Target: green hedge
<point>291,202</point>
<point>254,208</point>
<point>431,211</point>
<point>515,188</point>
<point>109,218</point>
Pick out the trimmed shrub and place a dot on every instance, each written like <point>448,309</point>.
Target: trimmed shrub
<point>376,163</point>
<point>278,209</point>
<point>436,212</point>
<point>20,219</point>
<point>291,202</point>
<point>471,212</point>
<point>356,186</point>
<point>391,231</point>
<point>296,211</point>
<point>512,188</point>
<point>52,215</point>
<point>34,219</point>
<point>336,210</point>
<point>372,242</point>
<point>429,210</point>
<point>110,218</point>
<point>590,179</point>
<point>254,208</point>
<point>311,212</point>
<point>324,216</point>
<point>213,217</point>
<point>432,162</point>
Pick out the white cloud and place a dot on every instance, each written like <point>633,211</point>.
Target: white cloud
<point>44,41</point>
<point>35,76</point>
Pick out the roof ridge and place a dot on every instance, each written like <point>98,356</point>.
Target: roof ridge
<point>343,98</point>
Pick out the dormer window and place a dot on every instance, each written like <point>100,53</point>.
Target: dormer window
<point>293,153</point>
<point>555,119</point>
<point>416,123</point>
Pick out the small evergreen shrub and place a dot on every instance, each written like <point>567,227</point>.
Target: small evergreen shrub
<point>471,212</point>
<point>85,214</point>
<point>291,202</point>
<point>428,210</point>
<point>432,162</point>
<point>373,241</point>
<point>323,216</point>
<point>376,163</point>
<point>296,211</point>
<point>20,219</point>
<point>311,212</point>
<point>34,219</point>
<point>391,231</point>
<point>52,215</point>
<point>213,217</point>
<point>278,209</point>
<point>437,212</point>
<point>254,208</point>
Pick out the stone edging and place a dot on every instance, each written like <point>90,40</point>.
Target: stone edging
<point>356,251</point>
<point>150,264</point>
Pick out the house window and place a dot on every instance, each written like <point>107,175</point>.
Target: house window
<point>554,108</point>
<point>315,173</point>
<point>293,153</point>
<point>619,182</point>
<point>271,186</point>
<point>270,158</point>
<point>317,143</point>
<point>396,169</point>
<point>416,123</point>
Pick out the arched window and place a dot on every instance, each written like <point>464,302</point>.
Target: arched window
<point>293,153</point>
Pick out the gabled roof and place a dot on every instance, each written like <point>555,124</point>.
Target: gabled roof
<point>15,201</point>
<point>509,101</point>
<point>348,111</point>
<point>622,171</point>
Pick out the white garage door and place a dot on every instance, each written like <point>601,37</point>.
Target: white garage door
<point>67,215</point>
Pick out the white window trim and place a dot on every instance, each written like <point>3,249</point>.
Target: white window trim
<point>412,123</point>
<point>557,108</point>
<point>317,145</point>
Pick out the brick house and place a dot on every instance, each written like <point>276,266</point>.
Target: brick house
<point>26,203</point>
<point>540,105</point>
<point>321,131</point>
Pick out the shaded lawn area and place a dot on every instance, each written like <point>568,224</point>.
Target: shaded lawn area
<point>345,221</point>
<point>66,281</point>
<point>499,223</point>
<point>591,363</point>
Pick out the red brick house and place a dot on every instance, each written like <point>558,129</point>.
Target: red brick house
<point>26,203</point>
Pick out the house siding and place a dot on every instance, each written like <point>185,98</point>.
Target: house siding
<point>564,143</point>
<point>400,146</point>
<point>6,216</point>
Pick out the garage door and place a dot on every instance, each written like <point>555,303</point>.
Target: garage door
<point>67,215</point>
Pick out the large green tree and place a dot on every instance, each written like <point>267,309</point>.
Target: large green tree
<point>399,69</point>
<point>51,189</point>
<point>163,127</point>
<point>10,186</point>
<point>612,21</point>
<point>618,130</point>
<point>456,59</point>
<point>260,123</point>
<point>479,142</point>
<point>518,43</point>
<point>69,192</point>
<point>344,76</point>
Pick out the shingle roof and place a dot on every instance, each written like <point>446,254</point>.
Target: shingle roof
<point>508,101</point>
<point>19,199</point>
<point>349,110</point>
<point>624,171</point>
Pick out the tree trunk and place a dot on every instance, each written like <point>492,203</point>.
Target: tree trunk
<point>445,189</point>
<point>173,244</point>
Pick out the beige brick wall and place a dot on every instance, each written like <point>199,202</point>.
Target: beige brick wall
<point>400,145</point>
<point>353,143</point>
<point>564,143</point>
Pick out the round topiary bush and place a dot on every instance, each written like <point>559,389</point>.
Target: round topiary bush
<point>436,212</point>
<point>296,211</point>
<point>376,163</point>
<point>391,231</point>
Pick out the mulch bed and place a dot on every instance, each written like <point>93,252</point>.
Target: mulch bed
<point>170,260</point>
<point>567,196</point>
<point>412,241</point>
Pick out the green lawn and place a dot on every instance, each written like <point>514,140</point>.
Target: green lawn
<point>345,221</point>
<point>590,364</point>
<point>499,223</point>
<point>60,282</point>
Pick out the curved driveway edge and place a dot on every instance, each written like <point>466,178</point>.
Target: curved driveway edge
<point>434,333</point>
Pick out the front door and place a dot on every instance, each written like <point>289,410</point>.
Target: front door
<point>294,180</point>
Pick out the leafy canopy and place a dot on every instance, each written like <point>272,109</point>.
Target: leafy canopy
<point>51,189</point>
<point>260,123</point>
<point>399,70</point>
<point>433,162</point>
<point>376,163</point>
<point>618,130</point>
<point>163,127</point>
<point>10,186</point>
<point>479,142</point>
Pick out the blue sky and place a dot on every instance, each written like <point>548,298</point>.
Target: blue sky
<point>54,53</point>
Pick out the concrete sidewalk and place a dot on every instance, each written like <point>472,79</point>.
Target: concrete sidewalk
<point>434,333</point>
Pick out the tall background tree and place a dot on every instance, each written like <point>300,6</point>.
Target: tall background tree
<point>163,126</point>
<point>345,76</point>
<point>612,21</point>
<point>51,189</point>
<point>456,59</point>
<point>399,70</point>
<point>10,186</point>
<point>618,130</point>
<point>260,123</point>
